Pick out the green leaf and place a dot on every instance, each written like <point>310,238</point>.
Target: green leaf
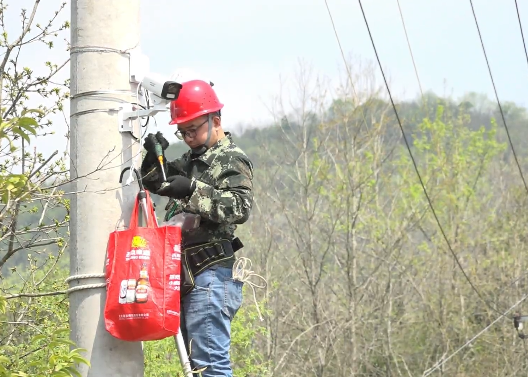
<point>62,330</point>
<point>38,338</point>
<point>75,355</point>
<point>67,342</point>
<point>74,372</point>
<point>27,122</point>
<point>37,111</point>
<point>8,123</point>
<point>22,134</point>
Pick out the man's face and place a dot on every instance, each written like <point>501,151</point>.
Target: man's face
<point>194,132</point>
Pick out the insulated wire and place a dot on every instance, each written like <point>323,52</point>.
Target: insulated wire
<point>521,28</point>
<point>426,108</point>
<point>496,95</point>
<point>345,62</point>
<point>440,363</point>
<point>418,172</point>
<point>410,49</point>
<point>350,77</point>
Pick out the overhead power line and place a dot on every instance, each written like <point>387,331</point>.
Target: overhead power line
<point>496,94</point>
<point>418,172</point>
<point>424,104</point>
<point>439,364</point>
<point>346,65</point>
<point>521,28</point>
<point>410,49</point>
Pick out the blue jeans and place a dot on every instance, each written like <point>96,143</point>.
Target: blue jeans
<point>206,315</point>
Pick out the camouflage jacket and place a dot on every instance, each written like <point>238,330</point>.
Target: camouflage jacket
<point>223,196</point>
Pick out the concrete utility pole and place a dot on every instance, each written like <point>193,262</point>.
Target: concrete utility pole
<point>102,32</point>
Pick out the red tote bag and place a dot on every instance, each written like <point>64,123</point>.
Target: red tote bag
<point>143,280</point>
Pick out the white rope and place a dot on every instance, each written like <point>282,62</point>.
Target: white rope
<point>242,272</point>
<point>68,291</point>
<point>439,364</point>
<point>85,286</point>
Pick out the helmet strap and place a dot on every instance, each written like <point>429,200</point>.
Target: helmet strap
<point>203,148</point>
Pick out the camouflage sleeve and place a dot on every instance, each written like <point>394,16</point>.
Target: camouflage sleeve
<point>151,173</point>
<point>231,202</point>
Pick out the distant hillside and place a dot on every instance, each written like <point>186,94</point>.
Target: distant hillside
<point>265,146</point>
<point>261,142</point>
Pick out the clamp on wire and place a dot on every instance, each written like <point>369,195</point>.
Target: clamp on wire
<point>518,321</point>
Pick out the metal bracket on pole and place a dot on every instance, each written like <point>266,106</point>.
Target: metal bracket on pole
<point>124,124</point>
<point>127,114</point>
<point>134,114</point>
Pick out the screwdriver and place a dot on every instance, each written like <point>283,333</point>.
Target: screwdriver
<point>159,155</point>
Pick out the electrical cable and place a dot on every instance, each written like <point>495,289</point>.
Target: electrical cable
<point>144,108</point>
<point>99,92</point>
<point>439,364</point>
<point>346,65</point>
<point>497,96</point>
<point>412,58</point>
<point>418,172</point>
<point>409,46</point>
<point>81,49</point>
<point>147,106</point>
<point>521,28</point>
<point>91,111</point>
<point>389,154</point>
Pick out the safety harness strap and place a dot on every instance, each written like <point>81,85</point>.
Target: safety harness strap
<point>198,258</point>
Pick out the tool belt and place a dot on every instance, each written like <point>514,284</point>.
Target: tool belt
<point>197,258</point>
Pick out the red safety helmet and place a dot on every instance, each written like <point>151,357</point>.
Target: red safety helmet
<point>196,98</point>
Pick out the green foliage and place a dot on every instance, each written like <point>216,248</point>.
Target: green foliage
<point>161,357</point>
<point>37,343</point>
<point>33,213</point>
<point>20,126</point>
<point>14,186</point>
<point>51,357</point>
<point>246,329</point>
<point>368,285</point>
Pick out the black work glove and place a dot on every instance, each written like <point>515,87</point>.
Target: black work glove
<point>153,180</point>
<point>179,187</point>
<point>150,144</point>
<point>151,140</point>
<point>161,139</point>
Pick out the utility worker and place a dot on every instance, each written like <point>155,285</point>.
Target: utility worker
<point>214,180</point>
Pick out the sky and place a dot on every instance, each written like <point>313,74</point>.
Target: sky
<point>248,48</point>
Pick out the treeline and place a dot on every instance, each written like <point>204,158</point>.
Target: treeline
<point>480,110</point>
<point>364,279</point>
